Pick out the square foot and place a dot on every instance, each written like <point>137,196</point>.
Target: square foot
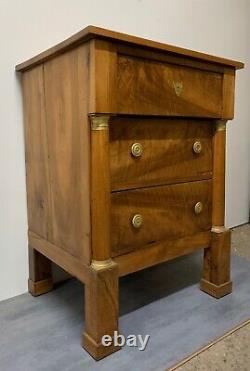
<point>217,291</point>
<point>97,350</point>
<point>40,287</point>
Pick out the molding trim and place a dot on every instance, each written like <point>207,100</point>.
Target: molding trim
<point>101,264</point>
<point>218,229</point>
<point>220,125</point>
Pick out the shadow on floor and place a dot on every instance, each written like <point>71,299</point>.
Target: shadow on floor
<point>138,289</point>
<point>43,333</point>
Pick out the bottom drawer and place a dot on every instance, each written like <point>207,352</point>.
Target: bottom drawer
<point>144,216</point>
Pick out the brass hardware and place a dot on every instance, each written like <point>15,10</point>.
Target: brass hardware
<point>178,85</point>
<point>218,229</point>
<point>136,149</point>
<point>137,221</point>
<point>220,125</point>
<point>101,264</point>
<point>198,207</point>
<point>99,122</point>
<point>197,147</point>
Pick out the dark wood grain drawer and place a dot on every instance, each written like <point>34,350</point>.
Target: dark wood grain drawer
<point>156,88</point>
<point>166,212</point>
<point>169,151</point>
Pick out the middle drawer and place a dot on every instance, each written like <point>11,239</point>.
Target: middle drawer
<point>154,151</point>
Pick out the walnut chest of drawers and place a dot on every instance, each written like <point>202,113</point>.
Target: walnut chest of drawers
<point>125,161</point>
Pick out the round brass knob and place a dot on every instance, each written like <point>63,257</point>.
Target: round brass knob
<point>136,149</point>
<point>198,207</point>
<point>197,147</point>
<point>137,221</point>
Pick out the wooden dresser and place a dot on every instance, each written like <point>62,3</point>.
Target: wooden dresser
<point>125,159</point>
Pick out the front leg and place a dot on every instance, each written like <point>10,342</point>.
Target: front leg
<point>101,308</point>
<point>101,288</point>
<point>216,270</point>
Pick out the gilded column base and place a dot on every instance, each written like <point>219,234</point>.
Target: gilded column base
<point>102,264</point>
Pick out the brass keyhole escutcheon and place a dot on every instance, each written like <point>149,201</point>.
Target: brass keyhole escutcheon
<point>197,147</point>
<point>198,207</point>
<point>178,86</point>
<point>137,221</point>
<point>136,149</point>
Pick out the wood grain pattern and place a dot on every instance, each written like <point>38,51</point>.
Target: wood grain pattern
<point>100,194</point>
<point>83,185</point>
<point>148,87</point>
<point>103,63</point>
<point>219,159</point>
<point>176,59</point>
<point>36,152</point>
<point>167,211</point>
<point>91,32</point>
<point>168,155</point>
<point>216,271</point>
<point>59,256</point>
<point>101,310</point>
<point>66,90</point>
<point>161,252</point>
<point>41,287</point>
<point>228,95</point>
<point>40,273</point>
<point>217,291</point>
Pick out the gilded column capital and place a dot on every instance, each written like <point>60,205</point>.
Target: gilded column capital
<point>99,122</point>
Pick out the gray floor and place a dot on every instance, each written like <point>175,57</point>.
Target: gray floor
<point>44,333</point>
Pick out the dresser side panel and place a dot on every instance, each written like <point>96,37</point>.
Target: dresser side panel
<point>66,91</point>
<point>36,152</point>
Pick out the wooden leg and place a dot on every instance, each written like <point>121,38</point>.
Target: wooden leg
<point>40,274</point>
<point>101,309</point>
<point>216,272</point>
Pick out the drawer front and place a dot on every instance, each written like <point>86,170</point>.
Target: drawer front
<point>168,151</point>
<point>156,88</point>
<point>142,217</point>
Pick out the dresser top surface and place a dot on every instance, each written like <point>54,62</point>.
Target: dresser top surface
<point>92,32</point>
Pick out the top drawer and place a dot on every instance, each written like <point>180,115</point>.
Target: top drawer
<point>156,88</point>
<point>172,151</point>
